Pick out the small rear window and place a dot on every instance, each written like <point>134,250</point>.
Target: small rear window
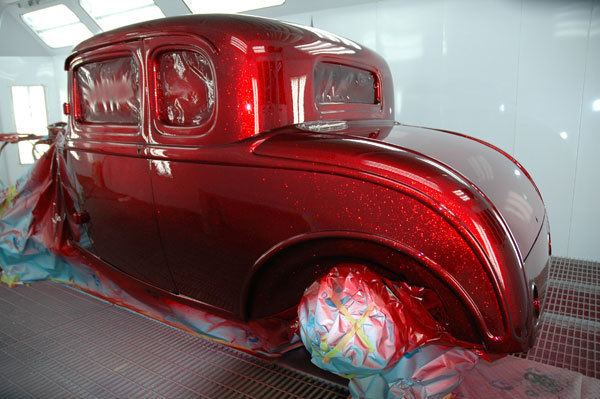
<point>109,91</point>
<point>342,84</point>
<point>186,88</point>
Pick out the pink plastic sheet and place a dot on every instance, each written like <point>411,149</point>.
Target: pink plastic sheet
<point>109,91</point>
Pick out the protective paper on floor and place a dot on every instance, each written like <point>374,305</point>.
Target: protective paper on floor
<point>516,378</point>
<point>37,227</point>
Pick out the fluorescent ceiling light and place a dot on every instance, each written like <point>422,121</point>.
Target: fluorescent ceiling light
<point>57,26</point>
<point>229,6</point>
<point>111,14</point>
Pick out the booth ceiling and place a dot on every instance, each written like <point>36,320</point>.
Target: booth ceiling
<point>61,24</point>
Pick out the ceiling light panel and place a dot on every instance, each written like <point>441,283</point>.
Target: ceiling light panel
<point>111,14</point>
<point>229,6</point>
<point>57,26</point>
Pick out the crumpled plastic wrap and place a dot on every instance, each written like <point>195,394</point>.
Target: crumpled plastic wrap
<point>186,91</point>
<point>37,242</point>
<point>380,335</point>
<point>430,371</point>
<point>109,91</point>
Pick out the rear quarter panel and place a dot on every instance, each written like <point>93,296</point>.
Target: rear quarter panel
<point>487,250</point>
<point>217,220</point>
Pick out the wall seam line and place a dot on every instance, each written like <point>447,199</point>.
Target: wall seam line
<point>513,151</point>
<point>579,135</point>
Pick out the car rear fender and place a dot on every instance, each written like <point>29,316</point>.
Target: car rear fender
<point>437,186</point>
<point>281,275</point>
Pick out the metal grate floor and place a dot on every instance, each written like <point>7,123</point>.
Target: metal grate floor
<point>569,334</point>
<point>59,342</point>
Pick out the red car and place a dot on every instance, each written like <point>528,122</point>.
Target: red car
<point>229,161</point>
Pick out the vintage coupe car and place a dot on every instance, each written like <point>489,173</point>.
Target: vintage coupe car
<point>229,161</point>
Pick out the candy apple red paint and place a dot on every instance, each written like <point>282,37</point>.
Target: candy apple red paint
<point>227,162</point>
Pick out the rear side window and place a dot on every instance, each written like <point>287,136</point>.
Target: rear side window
<point>341,84</point>
<point>109,91</point>
<point>186,88</point>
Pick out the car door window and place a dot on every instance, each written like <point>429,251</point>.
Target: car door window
<point>109,92</point>
<point>186,88</point>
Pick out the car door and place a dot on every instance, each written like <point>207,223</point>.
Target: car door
<point>106,151</point>
<point>210,213</point>
<point>182,101</point>
<point>192,218</point>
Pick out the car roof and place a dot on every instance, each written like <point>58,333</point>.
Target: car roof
<point>217,28</point>
<point>250,46</point>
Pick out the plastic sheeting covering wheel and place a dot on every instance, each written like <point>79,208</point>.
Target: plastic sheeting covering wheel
<point>380,335</point>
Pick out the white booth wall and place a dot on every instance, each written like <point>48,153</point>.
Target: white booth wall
<point>522,74</point>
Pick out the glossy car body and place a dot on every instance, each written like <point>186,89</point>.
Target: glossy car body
<point>240,212</point>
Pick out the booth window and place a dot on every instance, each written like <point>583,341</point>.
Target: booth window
<point>108,92</point>
<point>29,109</point>
<point>186,88</point>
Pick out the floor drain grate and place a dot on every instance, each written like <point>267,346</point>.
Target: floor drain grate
<point>58,342</point>
<point>569,334</point>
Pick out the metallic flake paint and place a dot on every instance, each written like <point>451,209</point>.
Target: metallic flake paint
<point>250,212</point>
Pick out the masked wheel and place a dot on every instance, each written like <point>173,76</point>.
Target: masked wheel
<point>379,334</point>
